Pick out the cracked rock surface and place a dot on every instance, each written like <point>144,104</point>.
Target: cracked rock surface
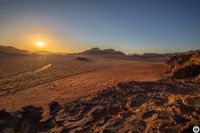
<point>161,106</point>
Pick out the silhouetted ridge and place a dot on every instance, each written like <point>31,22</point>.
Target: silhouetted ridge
<point>97,51</point>
<point>11,50</point>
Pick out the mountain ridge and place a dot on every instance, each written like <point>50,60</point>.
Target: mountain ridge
<point>93,51</point>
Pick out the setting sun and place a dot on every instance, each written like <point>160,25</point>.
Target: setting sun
<point>40,44</point>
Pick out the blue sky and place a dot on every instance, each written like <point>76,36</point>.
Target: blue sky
<point>133,26</point>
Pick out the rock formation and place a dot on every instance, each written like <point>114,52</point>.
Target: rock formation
<point>162,106</point>
<point>185,66</point>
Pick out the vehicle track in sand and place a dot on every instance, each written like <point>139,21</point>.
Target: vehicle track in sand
<point>79,85</point>
<point>29,72</point>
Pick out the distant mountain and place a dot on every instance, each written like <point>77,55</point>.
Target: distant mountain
<point>152,55</point>
<point>97,51</point>
<point>44,52</point>
<point>16,51</point>
<point>12,50</point>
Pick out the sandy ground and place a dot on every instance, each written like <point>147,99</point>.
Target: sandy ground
<point>86,83</point>
<point>96,94</point>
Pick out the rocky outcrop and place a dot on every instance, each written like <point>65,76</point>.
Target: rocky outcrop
<point>162,106</point>
<point>135,107</point>
<point>185,66</point>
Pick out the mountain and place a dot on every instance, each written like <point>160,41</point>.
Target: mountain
<point>15,51</point>
<point>97,51</point>
<point>167,55</point>
<point>12,50</point>
<point>152,55</point>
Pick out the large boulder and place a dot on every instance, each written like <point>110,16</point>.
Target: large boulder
<point>26,120</point>
<point>8,123</point>
<point>30,119</point>
<point>54,107</point>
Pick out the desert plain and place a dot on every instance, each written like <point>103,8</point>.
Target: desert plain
<point>89,92</point>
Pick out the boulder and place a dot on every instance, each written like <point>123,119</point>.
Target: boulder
<point>54,107</point>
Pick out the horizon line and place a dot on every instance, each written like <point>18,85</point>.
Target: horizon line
<point>79,51</point>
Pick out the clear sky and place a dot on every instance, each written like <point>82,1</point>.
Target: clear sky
<point>133,26</point>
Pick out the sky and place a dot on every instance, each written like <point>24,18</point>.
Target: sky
<point>132,26</point>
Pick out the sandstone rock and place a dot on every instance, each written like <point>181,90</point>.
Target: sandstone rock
<point>184,66</point>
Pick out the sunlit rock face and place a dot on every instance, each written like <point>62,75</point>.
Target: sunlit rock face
<point>185,66</point>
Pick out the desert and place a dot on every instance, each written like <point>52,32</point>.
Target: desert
<point>99,66</point>
<point>99,92</point>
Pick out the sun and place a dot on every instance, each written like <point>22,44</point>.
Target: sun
<point>40,44</point>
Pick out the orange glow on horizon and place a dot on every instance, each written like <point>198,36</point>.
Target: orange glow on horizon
<point>44,42</point>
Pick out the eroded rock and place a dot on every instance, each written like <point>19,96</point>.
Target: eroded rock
<point>185,66</point>
<point>157,106</point>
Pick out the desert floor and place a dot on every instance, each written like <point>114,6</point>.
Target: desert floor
<point>78,81</point>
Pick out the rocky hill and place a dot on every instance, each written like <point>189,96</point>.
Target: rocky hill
<point>185,65</point>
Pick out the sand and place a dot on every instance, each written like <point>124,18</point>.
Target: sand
<point>71,87</point>
<point>98,95</point>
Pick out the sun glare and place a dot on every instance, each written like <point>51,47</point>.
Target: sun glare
<point>40,44</point>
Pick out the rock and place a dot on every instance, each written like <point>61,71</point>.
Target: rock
<point>30,121</point>
<point>65,130</point>
<point>128,107</point>
<point>107,131</point>
<point>98,113</point>
<point>47,122</point>
<point>7,122</point>
<point>188,71</point>
<point>83,59</point>
<point>185,65</point>
<point>54,107</point>
<point>3,113</point>
<point>26,120</point>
